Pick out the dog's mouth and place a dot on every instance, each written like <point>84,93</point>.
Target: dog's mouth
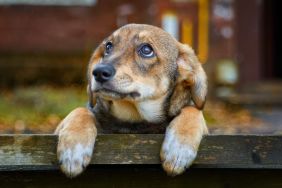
<point>112,93</point>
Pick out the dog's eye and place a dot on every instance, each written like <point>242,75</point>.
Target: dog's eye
<point>108,48</point>
<point>146,51</point>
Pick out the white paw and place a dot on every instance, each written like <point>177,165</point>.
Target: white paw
<point>176,154</point>
<point>74,159</point>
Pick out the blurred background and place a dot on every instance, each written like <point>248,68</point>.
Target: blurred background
<point>45,46</point>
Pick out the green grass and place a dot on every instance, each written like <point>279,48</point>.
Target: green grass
<point>38,108</point>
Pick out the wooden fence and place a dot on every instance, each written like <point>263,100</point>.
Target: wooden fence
<point>132,160</point>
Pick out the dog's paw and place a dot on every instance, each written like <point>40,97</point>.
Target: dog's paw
<point>73,156</point>
<point>176,154</point>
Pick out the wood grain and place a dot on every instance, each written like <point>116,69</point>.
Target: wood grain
<point>38,152</point>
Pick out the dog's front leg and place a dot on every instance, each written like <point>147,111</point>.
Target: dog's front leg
<point>182,139</point>
<point>77,134</point>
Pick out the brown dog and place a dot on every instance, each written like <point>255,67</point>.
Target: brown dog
<point>140,80</point>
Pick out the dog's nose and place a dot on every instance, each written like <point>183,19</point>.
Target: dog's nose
<point>103,72</point>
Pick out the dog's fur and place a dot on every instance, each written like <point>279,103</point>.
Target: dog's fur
<point>144,96</point>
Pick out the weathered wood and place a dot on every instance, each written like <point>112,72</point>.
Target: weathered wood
<point>38,152</point>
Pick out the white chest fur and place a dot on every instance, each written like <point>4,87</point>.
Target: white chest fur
<point>149,110</point>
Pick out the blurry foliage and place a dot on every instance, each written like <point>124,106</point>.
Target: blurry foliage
<point>40,109</point>
<point>223,118</point>
<point>43,69</point>
<point>37,109</point>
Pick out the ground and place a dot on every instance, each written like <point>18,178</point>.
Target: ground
<point>39,109</point>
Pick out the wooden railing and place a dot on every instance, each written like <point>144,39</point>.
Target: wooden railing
<point>132,160</point>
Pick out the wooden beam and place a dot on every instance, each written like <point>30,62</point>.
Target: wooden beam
<point>38,152</point>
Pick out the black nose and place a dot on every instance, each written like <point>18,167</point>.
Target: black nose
<point>104,72</point>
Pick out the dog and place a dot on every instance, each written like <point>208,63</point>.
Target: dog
<point>140,80</point>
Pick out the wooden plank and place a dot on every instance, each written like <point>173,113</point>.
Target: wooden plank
<point>38,152</point>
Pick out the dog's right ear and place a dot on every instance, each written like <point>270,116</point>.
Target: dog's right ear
<point>95,58</point>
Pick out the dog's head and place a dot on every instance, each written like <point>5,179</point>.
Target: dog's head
<point>142,62</point>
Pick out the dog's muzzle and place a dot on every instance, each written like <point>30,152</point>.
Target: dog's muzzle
<point>103,72</point>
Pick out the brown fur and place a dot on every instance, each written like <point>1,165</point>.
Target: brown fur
<point>144,96</point>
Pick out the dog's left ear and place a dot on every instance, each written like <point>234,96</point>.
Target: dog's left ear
<point>192,75</point>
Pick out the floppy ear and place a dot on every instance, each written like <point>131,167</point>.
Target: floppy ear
<point>95,58</point>
<point>192,75</point>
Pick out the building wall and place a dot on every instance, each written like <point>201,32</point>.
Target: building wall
<point>33,29</point>
<point>216,29</point>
